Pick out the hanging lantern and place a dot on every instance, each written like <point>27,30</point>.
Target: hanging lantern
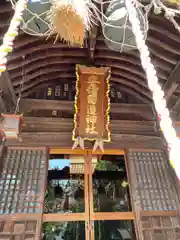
<point>117,28</point>
<point>11,126</point>
<point>70,19</point>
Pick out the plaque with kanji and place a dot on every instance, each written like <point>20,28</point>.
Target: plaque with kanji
<point>92,104</point>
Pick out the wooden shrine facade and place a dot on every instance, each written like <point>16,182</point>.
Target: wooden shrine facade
<point>47,131</point>
<point>153,190</point>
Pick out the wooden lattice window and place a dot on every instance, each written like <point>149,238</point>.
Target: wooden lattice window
<point>57,91</point>
<point>154,189</point>
<point>22,187</point>
<point>154,196</point>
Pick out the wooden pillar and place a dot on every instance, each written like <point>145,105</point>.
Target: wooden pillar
<point>8,96</point>
<point>2,155</point>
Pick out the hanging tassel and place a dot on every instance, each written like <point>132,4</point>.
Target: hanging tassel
<point>69,20</point>
<point>99,143</point>
<point>78,142</point>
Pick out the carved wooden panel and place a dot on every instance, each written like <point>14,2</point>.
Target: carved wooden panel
<point>157,228</point>
<point>21,229</point>
<point>22,187</point>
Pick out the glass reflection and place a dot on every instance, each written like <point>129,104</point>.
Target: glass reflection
<point>111,230</point>
<point>110,186</point>
<point>63,231</point>
<point>65,186</point>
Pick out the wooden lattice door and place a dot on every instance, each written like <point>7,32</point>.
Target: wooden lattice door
<point>154,196</point>
<point>22,186</point>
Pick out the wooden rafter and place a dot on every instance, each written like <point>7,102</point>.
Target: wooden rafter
<point>176,109</point>
<point>172,82</point>
<point>126,67</point>
<point>142,110</point>
<point>40,124</point>
<point>62,140</point>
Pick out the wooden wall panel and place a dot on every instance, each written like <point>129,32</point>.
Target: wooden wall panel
<point>22,185</point>
<point>161,227</point>
<point>20,228</point>
<point>154,196</point>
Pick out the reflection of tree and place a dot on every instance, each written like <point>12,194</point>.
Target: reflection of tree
<point>64,230</point>
<point>68,196</point>
<point>106,165</point>
<point>64,196</point>
<point>110,196</point>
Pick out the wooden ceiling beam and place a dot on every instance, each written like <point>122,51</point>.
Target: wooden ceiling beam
<point>40,124</point>
<point>70,69</point>
<point>142,110</point>
<point>176,109</point>
<point>130,87</point>
<point>172,82</point>
<point>64,140</point>
<point>121,87</point>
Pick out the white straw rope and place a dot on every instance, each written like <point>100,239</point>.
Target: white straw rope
<point>11,34</point>
<point>158,95</point>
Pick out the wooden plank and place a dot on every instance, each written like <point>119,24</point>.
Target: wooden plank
<point>158,213</point>
<point>56,150</point>
<point>172,83</point>
<point>142,110</point>
<point>113,216</point>
<point>33,124</point>
<point>80,151</point>
<point>64,217</point>
<point>36,104</point>
<point>64,140</point>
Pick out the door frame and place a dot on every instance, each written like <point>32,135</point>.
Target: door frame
<point>89,216</point>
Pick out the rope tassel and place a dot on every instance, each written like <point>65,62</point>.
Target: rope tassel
<point>69,20</point>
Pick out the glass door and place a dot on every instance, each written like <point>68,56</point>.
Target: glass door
<point>66,204</point>
<point>87,197</point>
<point>111,215</point>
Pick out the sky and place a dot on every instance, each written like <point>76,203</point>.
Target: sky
<point>60,163</point>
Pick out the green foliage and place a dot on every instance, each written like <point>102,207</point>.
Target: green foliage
<point>49,198</point>
<point>105,166</point>
<point>51,230</point>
